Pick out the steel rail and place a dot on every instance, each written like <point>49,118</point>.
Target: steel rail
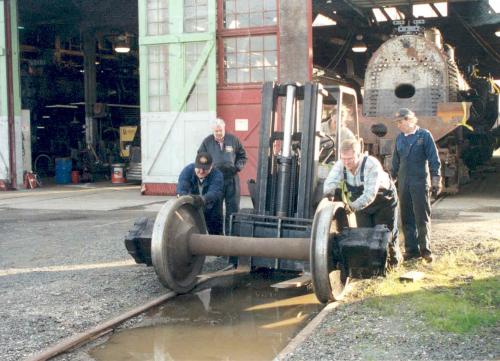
<point>97,331</point>
<point>108,326</point>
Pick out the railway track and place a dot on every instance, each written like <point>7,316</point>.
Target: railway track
<point>220,279</point>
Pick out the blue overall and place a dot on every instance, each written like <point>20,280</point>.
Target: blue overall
<point>210,189</point>
<point>414,155</point>
<point>229,158</point>
<point>383,210</point>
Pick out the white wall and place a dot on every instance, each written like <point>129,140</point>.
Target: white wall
<point>169,141</point>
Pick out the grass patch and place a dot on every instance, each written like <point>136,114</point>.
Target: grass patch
<point>460,292</point>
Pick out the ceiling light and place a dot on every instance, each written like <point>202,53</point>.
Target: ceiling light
<point>359,46</point>
<point>122,44</point>
<point>497,33</point>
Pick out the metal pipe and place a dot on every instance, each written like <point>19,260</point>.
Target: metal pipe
<point>285,159</point>
<point>288,121</point>
<point>10,96</point>
<point>284,248</point>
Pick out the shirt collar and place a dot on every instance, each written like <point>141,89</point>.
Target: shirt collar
<point>413,132</point>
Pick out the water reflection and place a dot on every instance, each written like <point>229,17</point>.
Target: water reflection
<point>248,321</point>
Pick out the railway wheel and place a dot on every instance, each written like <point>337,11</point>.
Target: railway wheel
<point>329,275</point>
<point>176,267</point>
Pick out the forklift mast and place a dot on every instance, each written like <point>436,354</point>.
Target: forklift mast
<point>289,170</point>
<point>289,149</point>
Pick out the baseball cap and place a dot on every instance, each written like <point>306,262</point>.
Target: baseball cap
<point>404,113</point>
<point>203,160</point>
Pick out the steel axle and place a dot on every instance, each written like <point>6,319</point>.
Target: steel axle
<point>180,243</point>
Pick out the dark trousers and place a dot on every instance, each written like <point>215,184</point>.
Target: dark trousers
<point>213,218</point>
<point>416,217</point>
<point>231,199</point>
<point>383,210</point>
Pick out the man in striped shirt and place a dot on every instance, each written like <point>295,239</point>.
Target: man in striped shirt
<point>371,193</point>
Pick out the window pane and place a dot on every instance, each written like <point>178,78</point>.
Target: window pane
<point>157,17</point>
<point>270,73</point>
<point>195,16</point>
<point>255,19</point>
<point>231,60</point>
<point>270,42</point>
<point>229,6</point>
<point>244,75</point>
<point>256,60</point>
<point>242,44</point>
<point>243,20</point>
<point>255,6</point>
<point>257,75</point>
<point>242,6</point>
<point>164,106</point>
<point>270,58</point>
<point>270,5</point>
<point>202,11</point>
<point>230,22</point>
<point>246,61</point>
<point>189,26</point>
<point>242,60</point>
<point>270,18</point>
<point>154,104</point>
<point>157,56</point>
<point>249,13</point>
<point>256,43</point>
<point>230,45</point>
<point>231,76</point>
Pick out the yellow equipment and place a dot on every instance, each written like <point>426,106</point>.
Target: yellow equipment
<point>127,135</point>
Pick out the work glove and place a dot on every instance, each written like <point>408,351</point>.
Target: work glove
<point>334,195</point>
<point>228,170</point>
<point>198,201</point>
<point>330,196</point>
<point>436,185</point>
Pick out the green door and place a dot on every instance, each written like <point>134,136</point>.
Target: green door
<point>177,85</point>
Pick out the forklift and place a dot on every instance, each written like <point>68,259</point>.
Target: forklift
<point>291,226</point>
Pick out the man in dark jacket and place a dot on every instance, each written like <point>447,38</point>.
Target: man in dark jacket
<point>205,184</point>
<point>229,157</point>
<point>415,154</point>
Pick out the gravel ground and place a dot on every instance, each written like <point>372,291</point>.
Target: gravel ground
<point>63,272</point>
<point>95,279</point>
<point>354,331</point>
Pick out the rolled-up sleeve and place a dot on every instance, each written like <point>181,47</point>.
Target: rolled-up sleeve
<point>334,177</point>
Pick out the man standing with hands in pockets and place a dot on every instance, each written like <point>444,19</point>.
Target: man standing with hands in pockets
<point>229,157</point>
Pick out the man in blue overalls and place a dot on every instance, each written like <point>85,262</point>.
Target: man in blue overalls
<point>229,157</point>
<point>205,184</point>
<point>372,194</point>
<point>415,154</point>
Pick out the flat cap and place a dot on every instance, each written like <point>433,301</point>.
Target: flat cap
<point>404,113</point>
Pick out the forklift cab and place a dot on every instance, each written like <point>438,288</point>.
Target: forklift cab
<point>339,121</point>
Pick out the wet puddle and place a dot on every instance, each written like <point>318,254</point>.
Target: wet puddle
<point>248,320</point>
